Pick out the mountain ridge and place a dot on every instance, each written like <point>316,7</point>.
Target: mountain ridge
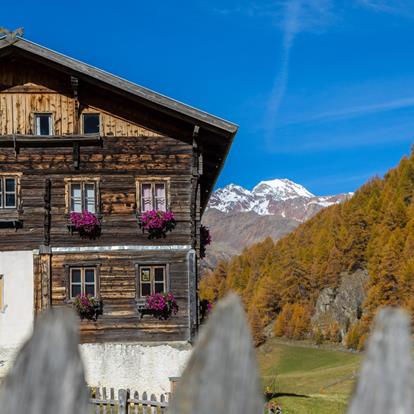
<point>238,217</point>
<point>279,196</point>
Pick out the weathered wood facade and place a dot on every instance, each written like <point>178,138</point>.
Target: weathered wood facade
<point>143,137</point>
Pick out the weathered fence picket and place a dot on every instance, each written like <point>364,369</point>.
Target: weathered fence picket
<point>386,381</point>
<point>126,402</point>
<point>47,376</point>
<point>221,376</point>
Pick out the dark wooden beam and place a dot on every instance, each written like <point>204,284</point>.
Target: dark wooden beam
<point>35,141</point>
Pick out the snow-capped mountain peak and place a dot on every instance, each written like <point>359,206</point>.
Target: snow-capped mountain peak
<point>279,197</point>
<point>283,189</point>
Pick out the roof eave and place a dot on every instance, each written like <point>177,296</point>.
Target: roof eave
<point>160,101</point>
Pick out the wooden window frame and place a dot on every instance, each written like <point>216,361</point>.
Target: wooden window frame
<point>17,192</point>
<point>51,126</point>
<point>153,181</point>
<point>83,266</point>
<point>152,266</point>
<point>83,123</point>
<point>82,181</point>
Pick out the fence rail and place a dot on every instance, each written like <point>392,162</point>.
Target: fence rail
<point>107,401</point>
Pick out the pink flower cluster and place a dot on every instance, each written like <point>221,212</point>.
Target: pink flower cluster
<point>85,221</point>
<point>163,304</point>
<point>86,306</point>
<point>157,223</point>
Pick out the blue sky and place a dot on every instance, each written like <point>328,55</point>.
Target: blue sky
<point>323,90</point>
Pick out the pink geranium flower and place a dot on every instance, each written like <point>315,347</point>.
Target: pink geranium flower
<point>157,223</point>
<point>163,304</point>
<point>86,222</point>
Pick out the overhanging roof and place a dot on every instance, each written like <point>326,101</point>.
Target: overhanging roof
<point>218,129</point>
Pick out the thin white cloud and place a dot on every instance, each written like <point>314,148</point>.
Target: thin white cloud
<point>357,111</point>
<point>281,81</point>
<point>292,141</point>
<point>397,7</point>
<point>298,16</point>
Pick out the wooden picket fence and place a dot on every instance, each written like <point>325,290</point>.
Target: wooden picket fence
<point>221,376</point>
<point>126,402</point>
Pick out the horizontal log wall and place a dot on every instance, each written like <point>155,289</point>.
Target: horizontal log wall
<point>117,279</point>
<point>129,151</point>
<point>117,164</point>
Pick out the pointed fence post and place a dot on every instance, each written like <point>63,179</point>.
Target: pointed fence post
<point>222,374</point>
<point>47,376</point>
<point>386,383</point>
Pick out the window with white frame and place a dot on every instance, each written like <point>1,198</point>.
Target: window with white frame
<point>83,281</point>
<point>153,196</point>
<point>152,279</point>
<point>8,192</point>
<point>43,124</point>
<point>83,196</point>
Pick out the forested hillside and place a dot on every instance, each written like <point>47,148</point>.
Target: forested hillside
<point>373,231</point>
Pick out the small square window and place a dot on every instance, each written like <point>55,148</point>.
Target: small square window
<point>83,197</point>
<point>153,196</point>
<point>8,192</point>
<point>152,279</point>
<point>43,124</point>
<point>91,123</point>
<point>82,281</point>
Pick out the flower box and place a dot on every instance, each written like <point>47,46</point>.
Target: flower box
<point>160,305</point>
<point>86,223</point>
<point>87,307</point>
<point>157,223</point>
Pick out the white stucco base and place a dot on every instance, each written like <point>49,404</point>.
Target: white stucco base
<point>7,357</point>
<point>141,367</point>
<point>16,317</point>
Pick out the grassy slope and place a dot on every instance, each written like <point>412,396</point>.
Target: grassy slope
<point>308,380</point>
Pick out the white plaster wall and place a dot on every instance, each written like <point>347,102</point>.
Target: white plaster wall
<point>140,367</point>
<point>16,318</point>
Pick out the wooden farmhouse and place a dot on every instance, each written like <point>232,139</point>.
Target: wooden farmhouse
<point>74,138</point>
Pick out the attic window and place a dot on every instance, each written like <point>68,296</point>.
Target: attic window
<point>91,123</point>
<point>43,124</point>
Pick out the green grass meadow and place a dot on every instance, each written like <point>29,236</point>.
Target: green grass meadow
<point>308,380</point>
